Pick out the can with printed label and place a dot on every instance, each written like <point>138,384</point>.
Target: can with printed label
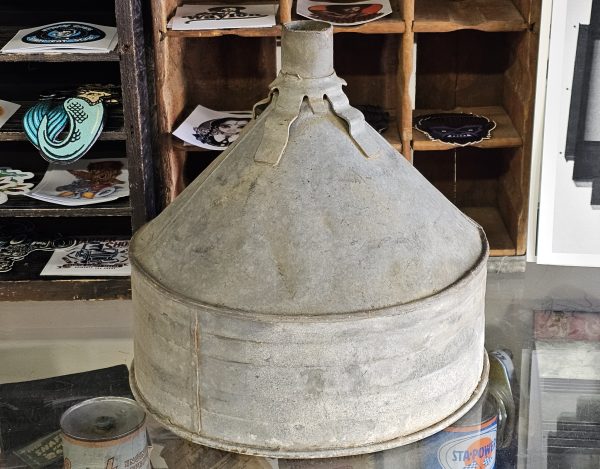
<point>105,433</point>
<point>469,443</point>
<point>472,441</point>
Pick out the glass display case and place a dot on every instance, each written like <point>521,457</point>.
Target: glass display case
<point>542,409</point>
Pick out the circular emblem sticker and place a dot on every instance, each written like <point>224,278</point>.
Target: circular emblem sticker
<point>64,33</point>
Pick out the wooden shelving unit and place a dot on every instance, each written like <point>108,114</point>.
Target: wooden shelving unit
<point>126,135</point>
<point>33,208</point>
<point>475,56</point>
<point>242,32</point>
<point>21,285</point>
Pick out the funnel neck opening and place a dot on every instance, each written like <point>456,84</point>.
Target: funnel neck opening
<point>307,49</point>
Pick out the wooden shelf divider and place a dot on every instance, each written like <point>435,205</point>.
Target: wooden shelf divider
<point>484,15</point>
<point>501,244</point>
<point>23,206</point>
<point>273,31</point>
<point>391,24</point>
<point>66,289</point>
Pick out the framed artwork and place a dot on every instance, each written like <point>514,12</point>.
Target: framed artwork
<point>569,207</point>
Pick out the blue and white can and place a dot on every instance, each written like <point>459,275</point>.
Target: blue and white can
<point>470,443</point>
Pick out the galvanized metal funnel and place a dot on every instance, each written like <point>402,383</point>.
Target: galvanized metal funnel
<point>310,294</point>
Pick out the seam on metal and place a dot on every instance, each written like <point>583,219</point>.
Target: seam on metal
<point>391,310</point>
<point>196,338</point>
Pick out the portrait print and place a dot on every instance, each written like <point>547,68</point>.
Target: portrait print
<point>220,132</point>
<point>212,130</point>
<point>346,14</point>
<point>343,12</point>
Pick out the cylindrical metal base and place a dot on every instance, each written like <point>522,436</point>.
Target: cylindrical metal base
<point>328,453</point>
<point>307,386</point>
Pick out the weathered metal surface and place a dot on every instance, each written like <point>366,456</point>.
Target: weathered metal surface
<point>310,294</point>
<point>105,432</point>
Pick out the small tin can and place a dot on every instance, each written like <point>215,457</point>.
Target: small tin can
<point>473,440</point>
<point>468,443</point>
<point>105,433</point>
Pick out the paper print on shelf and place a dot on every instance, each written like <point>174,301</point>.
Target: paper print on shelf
<point>346,13</point>
<point>85,182</point>
<point>17,242</point>
<point>64,36</point>
<point>569,205</point>
<point>193,17</point>
<point>213,130</point>
<point>12,183</point>
<point>64,33</point>
<point>79,113</point>
<point>7,109</point>
<point>86,119</point>
<point>94,258</point>
<point>455,128</point>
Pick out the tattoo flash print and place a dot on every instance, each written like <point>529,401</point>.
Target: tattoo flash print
<point>212,130</point>
<point>11,183</point>
<point>72,36</point>
<point>190,17</point>
<point>222,13</point>
<point>17,241</point>
<point>343,12</point>
<point>220,132</point>
<point>91,257</point>
<point>99,180</point>
<point>346,14</point>
<point>64,33</point>
<point>86,182</point>
<point>456,128</point>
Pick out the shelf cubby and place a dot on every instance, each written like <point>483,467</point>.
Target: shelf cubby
<point>452,15</point>
<point>504,134</point>
<point>478,181</point>
<point>23,281</point>
<point>393,23</point>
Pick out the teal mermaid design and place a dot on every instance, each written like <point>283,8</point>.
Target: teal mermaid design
<point>83,116</point>
<point>85,122</point>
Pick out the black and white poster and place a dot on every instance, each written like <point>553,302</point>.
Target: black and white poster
<point>569,208</point>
